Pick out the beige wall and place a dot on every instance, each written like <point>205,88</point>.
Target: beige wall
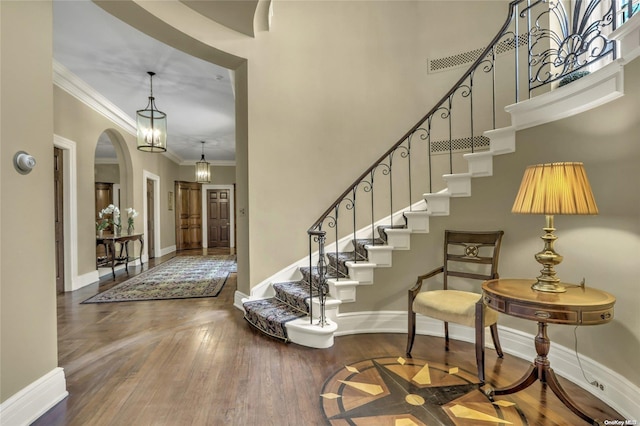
<point>28,349</point>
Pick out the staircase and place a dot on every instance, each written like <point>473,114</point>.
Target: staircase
<point>301,303</point>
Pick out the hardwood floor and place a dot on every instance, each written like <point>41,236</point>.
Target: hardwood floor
<point>198,362</point>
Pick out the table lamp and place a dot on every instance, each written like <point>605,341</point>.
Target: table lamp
<point>550,189</point>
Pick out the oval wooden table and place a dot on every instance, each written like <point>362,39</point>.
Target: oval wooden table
<point>579,305</point>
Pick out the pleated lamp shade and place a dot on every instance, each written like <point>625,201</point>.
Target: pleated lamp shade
<point>555,188</point>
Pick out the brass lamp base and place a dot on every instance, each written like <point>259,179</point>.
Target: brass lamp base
<point>548,287</point>
<point>548,258</point>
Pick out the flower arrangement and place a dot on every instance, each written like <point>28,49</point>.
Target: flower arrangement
<point>104,221</point>
<point>111,215</point>
<point>131,214</point>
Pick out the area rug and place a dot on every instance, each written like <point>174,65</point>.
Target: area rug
<point>399,391</point>
<point>181,277</point>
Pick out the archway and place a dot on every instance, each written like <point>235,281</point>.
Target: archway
<point>112,179</point>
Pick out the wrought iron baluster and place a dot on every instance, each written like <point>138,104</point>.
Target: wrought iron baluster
<point>473,143</point>
<point>450,133</point>
<point>409,173</point>
<point>322,280</point>
<point>355,247</point>
<point>429,153</point>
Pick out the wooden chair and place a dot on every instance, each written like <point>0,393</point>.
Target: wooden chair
<point>467,255</point>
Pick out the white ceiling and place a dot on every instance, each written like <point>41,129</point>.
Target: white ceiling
<point>113,58</point>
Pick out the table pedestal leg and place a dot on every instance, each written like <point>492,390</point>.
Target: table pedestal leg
<point>112,248</point>
<point>541,370</point>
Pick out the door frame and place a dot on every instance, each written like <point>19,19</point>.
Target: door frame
<point>70,218</point>
<point>156,214</point>
<point>232,218</point>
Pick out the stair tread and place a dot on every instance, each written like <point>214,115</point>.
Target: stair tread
<point>294,293</point>
<point>344,256</point>
<point>270,316</point>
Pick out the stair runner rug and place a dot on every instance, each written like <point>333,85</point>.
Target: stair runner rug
<point>180,277</point>
<point>270,315</point>
<point>394,391</point>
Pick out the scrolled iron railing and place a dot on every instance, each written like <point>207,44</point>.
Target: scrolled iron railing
<point>557,43</point>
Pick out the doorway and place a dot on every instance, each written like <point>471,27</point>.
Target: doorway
<point>58,194</point>
<point>151,251</point>
<point>218,218</point>
<point>226,218</point>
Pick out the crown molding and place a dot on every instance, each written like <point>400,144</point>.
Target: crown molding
<point>72,84</point>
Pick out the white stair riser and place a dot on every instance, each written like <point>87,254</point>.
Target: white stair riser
<point>480,164</point>
<point>459,185</point>
<point>418,222</point>
<point>382,256</point>
<point>361,272</point>
<point>437,204</point>
<point>343,290</point>
<point>399,239</point>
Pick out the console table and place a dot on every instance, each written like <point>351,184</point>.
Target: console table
<point>109,242</point>
<point>579,305</point>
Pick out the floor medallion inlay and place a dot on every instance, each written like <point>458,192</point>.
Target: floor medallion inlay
<point>398,391</point>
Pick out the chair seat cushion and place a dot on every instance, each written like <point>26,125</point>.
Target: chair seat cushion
<point>452,306</point>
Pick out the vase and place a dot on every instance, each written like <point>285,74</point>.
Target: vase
<point>100,232</point>
<point>130,230</point>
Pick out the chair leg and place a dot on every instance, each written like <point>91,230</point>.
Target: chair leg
<point>479,326</point>
<point>411,331</point>
<point>496,340</point>
<point>446,336</point>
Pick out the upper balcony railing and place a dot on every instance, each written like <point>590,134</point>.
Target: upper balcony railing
<point>540,43</point>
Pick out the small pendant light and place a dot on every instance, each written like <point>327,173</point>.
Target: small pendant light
<point>203,171</point>
<point>151,125</point>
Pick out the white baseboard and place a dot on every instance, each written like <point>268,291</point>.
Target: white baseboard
<point>34,400</point>
<point>237,299</point>
<point>617,391</point>
<point>167,250</point>
<point>84,280</point>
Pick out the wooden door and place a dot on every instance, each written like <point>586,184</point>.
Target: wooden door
<point>150,219</point>
<point>218,232</point>
<point>58,195</point>
<point>104,197</point>
<point>188,215</point>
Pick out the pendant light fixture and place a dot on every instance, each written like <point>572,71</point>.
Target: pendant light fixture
<point>203,171</point>
<point>151,125</point>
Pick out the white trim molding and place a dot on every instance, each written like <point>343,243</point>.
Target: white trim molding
<point>628,37</point>
<point>70,171</point>
<point>33,401</point>
<point>144,257</point>
<point>583,94</point>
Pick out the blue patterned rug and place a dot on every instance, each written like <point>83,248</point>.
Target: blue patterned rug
<point>181,277</point>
